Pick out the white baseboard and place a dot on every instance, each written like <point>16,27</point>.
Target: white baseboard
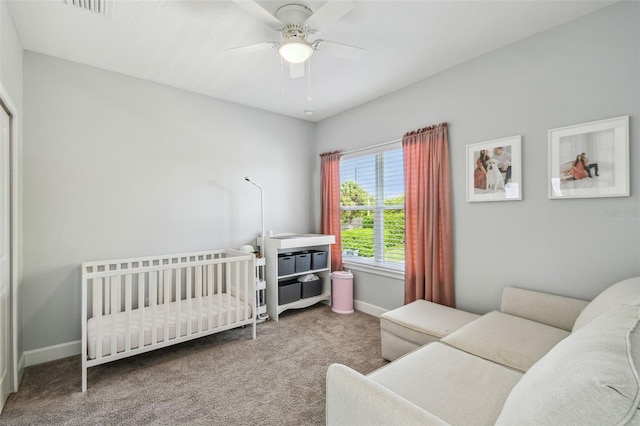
<point>368,308</point>
<point>51,353</point>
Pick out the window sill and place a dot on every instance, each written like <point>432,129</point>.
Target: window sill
<point>375,270</point>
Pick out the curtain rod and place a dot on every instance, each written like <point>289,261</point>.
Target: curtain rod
<point>370,147</point>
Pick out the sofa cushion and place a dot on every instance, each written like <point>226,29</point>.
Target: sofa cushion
<point>626,291</point>
<point>457,387</point>
<point>506,339</point>
<point>423,322</point>
<point>408,327</point>
<point>591,377</point>
<point>548,309</point>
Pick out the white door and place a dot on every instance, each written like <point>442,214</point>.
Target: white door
<point>5,258</point>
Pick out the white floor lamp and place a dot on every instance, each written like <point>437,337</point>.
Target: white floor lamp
<point>261,296</point>
<point>261,214</point>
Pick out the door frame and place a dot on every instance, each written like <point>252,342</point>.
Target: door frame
<point>14,232</point>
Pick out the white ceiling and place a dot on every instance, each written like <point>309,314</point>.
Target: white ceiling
<point>182,44</point>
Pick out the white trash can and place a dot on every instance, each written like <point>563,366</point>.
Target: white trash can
<point>342,292</point>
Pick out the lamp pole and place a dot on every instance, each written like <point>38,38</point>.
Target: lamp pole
<point>261,213</point>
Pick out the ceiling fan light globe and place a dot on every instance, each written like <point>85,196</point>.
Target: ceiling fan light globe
<point>295,51</point>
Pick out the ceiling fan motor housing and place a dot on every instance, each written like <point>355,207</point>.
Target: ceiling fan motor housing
<point>294,16</point>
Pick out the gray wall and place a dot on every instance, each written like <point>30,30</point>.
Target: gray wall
<point>118,167</point>
<point>11,80</point>
<point>582,71</point>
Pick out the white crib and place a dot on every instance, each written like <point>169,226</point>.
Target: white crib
<point>131,306</point>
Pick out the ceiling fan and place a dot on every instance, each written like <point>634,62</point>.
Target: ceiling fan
<point>296,23</point>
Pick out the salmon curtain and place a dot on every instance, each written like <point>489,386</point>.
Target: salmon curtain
<point>330,203</point>
<point>428,229</point>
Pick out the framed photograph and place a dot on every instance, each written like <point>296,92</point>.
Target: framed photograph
<point>494,170</point>
<point>590,159</point>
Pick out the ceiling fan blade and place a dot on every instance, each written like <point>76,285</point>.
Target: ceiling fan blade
<point>296,70</point>
<point>328,14</point>
<point>260,13</point>
<point>251,48</point>
<point>338,49</point>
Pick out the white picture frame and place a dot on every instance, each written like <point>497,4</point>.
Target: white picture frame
<point>589,160</point>
<point>499,177</point>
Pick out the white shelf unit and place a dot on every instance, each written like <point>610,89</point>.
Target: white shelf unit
<point>286,243</point>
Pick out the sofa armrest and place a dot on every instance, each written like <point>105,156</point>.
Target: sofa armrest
<point>353,399</point>
<point>550,309</point>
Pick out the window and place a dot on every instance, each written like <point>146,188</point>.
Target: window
<point>372,208</point>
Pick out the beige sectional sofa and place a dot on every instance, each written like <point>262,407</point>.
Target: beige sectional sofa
<point>541,360</point>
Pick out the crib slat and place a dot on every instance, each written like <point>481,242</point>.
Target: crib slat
<point>167,299</point>
<point>236,285</point>
<point>219,293</point>
<point>239,293</point>
<point>107,297</point>
<point>127,308</point>
<point>179,302</point>
<point>116,299</point>
<point>242,292</point>
<point>153,304</point>
<point>141,309</point>
<point>98,312</point>
<point>228,282</point>
<point>114,286</point>
<point>198,277</point>
<point>188,285</point>
<point>160,287</point>
<point>250,271</point>
<point>210,296</point>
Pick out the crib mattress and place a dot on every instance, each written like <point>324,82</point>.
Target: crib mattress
<point>223,305</point>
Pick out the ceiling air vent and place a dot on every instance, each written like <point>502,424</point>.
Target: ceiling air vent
<point>101,7</point>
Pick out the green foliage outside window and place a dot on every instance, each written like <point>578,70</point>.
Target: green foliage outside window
<point>357,225</point>
<point>358,241</point>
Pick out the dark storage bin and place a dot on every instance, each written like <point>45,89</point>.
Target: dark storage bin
<point>311,288</point>
<point>288,291</point>
<point>303,262</point>
<point>286,264</point>
<point>318,259</point>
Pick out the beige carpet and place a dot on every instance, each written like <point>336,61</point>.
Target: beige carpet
<point>224,379</point>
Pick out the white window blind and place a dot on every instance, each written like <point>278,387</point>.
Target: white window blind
<point>372,208</point>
